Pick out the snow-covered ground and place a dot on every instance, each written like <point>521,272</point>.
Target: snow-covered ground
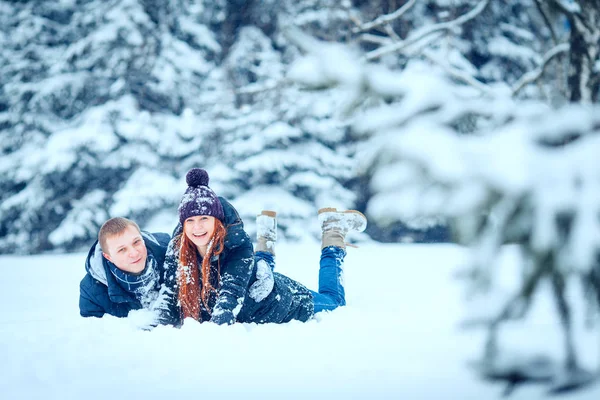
<point>399,337</point>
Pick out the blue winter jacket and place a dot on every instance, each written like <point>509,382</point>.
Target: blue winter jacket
<point>287,300</point>
<point>99,292</point>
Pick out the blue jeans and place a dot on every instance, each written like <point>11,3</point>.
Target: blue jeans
<point>331,292</point>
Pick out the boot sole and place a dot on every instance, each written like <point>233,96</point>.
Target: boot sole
<point>361,216</point>
<point>335,210</point>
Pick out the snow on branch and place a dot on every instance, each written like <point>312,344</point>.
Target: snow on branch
<point>497,169</point>
<point>532,76</point>
<point>385,19</point>
<point>456,73</point>
<point>381,40</point>
<point>567,7</point>
<point>428,31</point>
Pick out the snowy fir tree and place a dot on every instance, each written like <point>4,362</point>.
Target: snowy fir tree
<point>492,154</point>
<point>282,143</point>
<point>100,101</point>
<point>105,105</point>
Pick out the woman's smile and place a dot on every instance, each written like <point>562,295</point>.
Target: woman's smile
<point>199,229</point>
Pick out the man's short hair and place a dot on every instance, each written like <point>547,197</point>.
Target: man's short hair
<point>112,227</point>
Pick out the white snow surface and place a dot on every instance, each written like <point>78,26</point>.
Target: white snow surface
<point>399,337</point>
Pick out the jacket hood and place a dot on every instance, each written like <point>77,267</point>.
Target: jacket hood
<point>94,264</point>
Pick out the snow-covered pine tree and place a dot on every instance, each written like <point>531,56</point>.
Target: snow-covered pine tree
<point>101,102</point>
<point>464,39</point>
<point>105,105</point>
<point>283,149</point>
<point>519,172</point>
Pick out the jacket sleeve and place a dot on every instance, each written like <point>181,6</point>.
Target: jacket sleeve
<point>167,302</point>
<point>94,300</point>
<point>87,306</point>
<point>235,276</point>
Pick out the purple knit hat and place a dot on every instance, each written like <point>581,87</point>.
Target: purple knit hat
<point>199,199</point>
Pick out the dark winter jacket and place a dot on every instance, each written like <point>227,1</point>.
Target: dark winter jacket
<point>287,300</point>
<point>99,291</point>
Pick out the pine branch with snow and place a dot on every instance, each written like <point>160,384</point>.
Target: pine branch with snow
<point>521,173</point>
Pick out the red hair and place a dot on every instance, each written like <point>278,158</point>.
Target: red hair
<point>191,290</point>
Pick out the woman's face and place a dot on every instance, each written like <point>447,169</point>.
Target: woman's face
<point>199,230</point>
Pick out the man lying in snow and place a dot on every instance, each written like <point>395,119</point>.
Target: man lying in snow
<point>124,270</point>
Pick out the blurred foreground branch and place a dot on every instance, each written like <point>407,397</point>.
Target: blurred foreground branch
<point>498,170</point>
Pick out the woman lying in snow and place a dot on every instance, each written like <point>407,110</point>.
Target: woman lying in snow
<point>212,273</point>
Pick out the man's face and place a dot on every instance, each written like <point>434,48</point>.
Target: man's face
<point>127,250</point>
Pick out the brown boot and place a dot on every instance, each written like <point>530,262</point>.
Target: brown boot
<point>335,225</point>
<point>266,231</point>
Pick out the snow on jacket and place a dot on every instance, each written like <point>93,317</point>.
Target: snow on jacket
<point>99,291</point>
<point>241,295</point>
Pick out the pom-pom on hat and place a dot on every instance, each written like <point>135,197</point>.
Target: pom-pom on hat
<point>198,198</point>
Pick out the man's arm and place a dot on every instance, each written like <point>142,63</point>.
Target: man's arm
<point>94,300</point>
<point>87,306</point>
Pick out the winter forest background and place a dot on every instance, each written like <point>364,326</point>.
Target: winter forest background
<point>105,105</point>
<point>475,121</point>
